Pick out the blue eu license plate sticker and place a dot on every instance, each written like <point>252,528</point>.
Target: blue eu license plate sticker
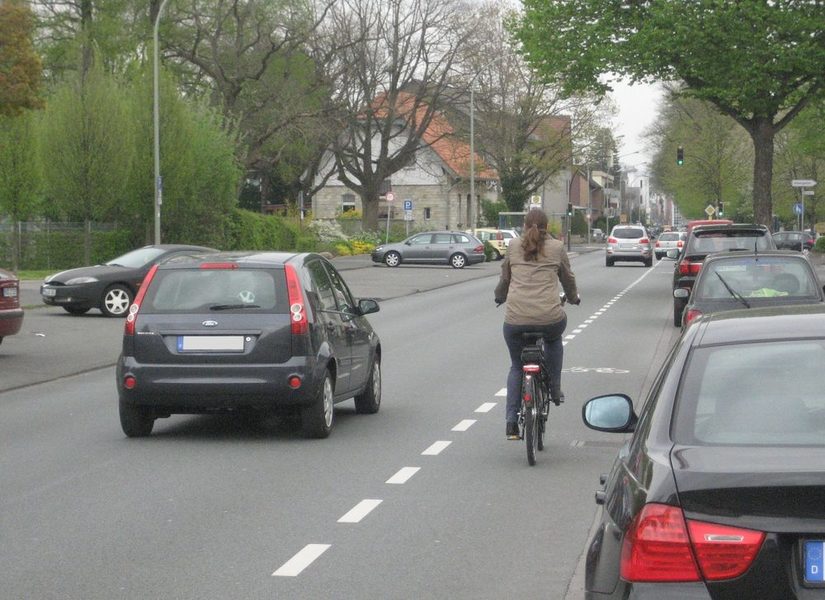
<point>815,561</point>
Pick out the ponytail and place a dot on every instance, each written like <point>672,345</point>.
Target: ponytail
<point>535,234</point>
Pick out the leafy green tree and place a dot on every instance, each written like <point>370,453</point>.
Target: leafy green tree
<point>20,66</point>
<point>87,145</point>
<point>758,62</point>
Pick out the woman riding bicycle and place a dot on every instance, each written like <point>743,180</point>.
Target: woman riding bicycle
<point>530,275</point>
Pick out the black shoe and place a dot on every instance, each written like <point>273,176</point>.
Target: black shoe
<point>512,431</point>
<point>559,400</point>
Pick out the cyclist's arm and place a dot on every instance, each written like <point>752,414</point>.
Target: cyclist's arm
<point>503,285</point>
<point>567,279</point>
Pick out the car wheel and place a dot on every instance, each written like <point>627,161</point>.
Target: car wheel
<point>73,310</point>
<point>608,262</point>
<point>392,259</point>
<point>498,255</point>
<point>658,257</point>
<point>318,417</point>
<point>678,309</point>
<point>136,421</point>
<point>458,260</point>
<point>649,262</point>
<point>369,401</point>
<point>116,301</point>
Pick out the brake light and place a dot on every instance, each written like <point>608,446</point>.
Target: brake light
<point>612,240</point>
<point>644,241</point>
<point>129,325</point>
<point>656,547</point>
<point>479,248</point>
<point>297,309</point>
<point>679,244</point>
<point>689,268</point>
<point>723,552</point>
<point>658,244</point>
<point>691,314</point>
<point>219,265</point>
<point>499,236</point>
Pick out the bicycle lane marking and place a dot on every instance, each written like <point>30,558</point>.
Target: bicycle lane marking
<point>295,565</point>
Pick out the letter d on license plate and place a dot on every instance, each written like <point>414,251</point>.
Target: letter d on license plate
<point>814,557</point>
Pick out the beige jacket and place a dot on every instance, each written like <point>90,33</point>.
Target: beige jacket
<point>532,288</point>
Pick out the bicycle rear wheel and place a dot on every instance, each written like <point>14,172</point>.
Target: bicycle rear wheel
<point>529,409</point>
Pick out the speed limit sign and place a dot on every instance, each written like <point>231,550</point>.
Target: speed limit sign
<point>390,196</point>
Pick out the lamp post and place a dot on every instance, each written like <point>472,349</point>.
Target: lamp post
<point>158,182</point>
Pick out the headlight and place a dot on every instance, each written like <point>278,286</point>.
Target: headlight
<point>379,249</point>
<point>80,280</point>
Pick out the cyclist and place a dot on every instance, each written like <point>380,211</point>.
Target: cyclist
<point>530,275</point>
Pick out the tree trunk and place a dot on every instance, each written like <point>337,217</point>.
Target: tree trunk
<point>369,214</point>
<point>762,133</point>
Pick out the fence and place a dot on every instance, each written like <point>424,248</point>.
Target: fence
<point>49,245</point>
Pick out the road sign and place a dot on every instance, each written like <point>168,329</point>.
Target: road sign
<point>408,215</point>
<point>407,204</point>
<point>390,196</point>
<point>803,183</point>
<point>710,210</point>
<point>797,208</point>
<point>808,192</point>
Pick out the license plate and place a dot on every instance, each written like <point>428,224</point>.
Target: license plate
<point>49,292</point>
<point>10,292</point>
<point>814,559</point>
<point>210,343</point>
<point>627,246</point>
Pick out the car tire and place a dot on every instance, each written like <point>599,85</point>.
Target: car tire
<point>498,255</point>
<point>458,260</point>
<point>658,257</point>
<point>116,300</point>
<point>608,262</point>
<point>678,309</point>
<point>136,421</point>
<point>73,310</point>
<point>649,262</point>
<point>369,401</point>
<point>392,259</point>
<point>318,417</point>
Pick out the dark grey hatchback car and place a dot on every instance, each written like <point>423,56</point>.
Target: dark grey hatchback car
<point>261,332</point>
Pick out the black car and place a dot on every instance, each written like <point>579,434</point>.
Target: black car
<point>751,280</point>
<point>707,239</point>
<point>112,286</point>
<point>720,490</point>
<point>253,332</point>
<point>794,240</point>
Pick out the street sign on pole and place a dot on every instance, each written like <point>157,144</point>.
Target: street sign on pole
<point>407,204</point>
<point>390,196</point>
<point>803,183</point>
<point>710,210</point>
<point>797,208</point>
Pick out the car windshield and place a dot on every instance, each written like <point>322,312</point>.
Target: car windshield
<point>753,394</point>
<point>757,277</point>
<point>628,233</point>
<point>136,258</point>
<point>225,290</point>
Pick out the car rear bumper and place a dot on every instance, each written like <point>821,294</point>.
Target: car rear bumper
<point>213,387</point>
<point>11,320</point>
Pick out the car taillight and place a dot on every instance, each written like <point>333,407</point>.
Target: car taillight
<point>297,308</point>
<point>479,248</point>
<point>689,268</point>
<point>644,241</point>
<point>679,244</point>
<point>723,552</point>
<point>661,545</point>
<point>658,244</point>
<point>131,318</point>
<point>612,240</point>
<point>691,314</point>
<point>219,265</point>
<point>656,547</point>
<point>499,236</point>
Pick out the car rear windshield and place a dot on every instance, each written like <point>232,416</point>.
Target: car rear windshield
<point>216,290</point>
<point>753,394</point>
<point>669,237</point>
<point>706,242</point>
<point>757,277</point>
<point>628,233</point>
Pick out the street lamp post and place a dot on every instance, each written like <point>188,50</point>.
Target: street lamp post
<point>158,182</point>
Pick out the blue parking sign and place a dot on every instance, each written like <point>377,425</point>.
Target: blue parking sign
<point>407,204</point>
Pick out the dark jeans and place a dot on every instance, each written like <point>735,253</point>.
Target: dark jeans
<point>554,353</point>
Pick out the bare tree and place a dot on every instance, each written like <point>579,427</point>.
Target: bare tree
<point>392,81</point>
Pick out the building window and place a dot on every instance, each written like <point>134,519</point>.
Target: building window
<point>427,213</point>
<point>347,202</point>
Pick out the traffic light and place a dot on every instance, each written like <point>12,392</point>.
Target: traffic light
<point>721,210</point>
<point>680,156</point>
<point>569,209</point>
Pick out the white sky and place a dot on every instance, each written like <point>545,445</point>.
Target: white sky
<point>638,106</point>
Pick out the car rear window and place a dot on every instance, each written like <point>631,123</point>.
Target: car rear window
<point>706,242</point>
<point>628,233</point>
<point>669,237</point>
<point>224,290</point>
<point>753,394</point>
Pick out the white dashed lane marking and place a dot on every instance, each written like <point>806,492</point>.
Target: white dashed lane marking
<point>299,562</point>
<point>436,448</point>
<point>488,406</point>
<point>464,425</point>
<point>359,511</point>
<point>403,475</point>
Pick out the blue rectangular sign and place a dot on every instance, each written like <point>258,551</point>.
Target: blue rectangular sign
<point>815,561</point>
<point>407,204</point>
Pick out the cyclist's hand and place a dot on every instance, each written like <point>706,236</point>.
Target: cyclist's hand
<point>577,301</point>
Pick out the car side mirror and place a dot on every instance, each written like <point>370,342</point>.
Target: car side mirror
<point>611,414</point>
<point>367,306</point>
<point>681,293</point>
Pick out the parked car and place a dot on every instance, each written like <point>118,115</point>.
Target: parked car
<point>455,248</point>
<point>112,286</point>
<point>668,240</point>
<point>11,315</point>
<point>794,240</point>
<point>734,281</point>
<point>707,239</point>
<point>256,332</point>
<point>719,491</point>
<point>629,243</point>
<point>499,239</point>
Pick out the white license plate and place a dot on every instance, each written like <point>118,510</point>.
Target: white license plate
<point>627,246</point>
<point>49,292</point>
<point>10,292</point>
<point>210,343</point>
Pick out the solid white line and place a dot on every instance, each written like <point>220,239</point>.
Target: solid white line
<point>359,511</point>
<point>301,561</point>
<point>403,475</point>
<point>488,406</point>
<point>464,425</point>
<point>436,448</point>
<point>502,392</point>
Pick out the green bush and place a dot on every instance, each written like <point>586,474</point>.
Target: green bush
<point>819,246</point>
<point>247,230</point>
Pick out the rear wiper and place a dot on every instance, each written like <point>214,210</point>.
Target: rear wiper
<point>232,306</point>
<point>733,292</point>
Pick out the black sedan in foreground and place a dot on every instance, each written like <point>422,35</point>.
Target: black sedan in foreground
<point>112,286</point>
<point>720,490</point>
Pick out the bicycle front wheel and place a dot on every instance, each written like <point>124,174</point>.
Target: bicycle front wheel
<point>529,403</point>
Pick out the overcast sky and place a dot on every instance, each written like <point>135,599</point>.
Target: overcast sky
<point>638,105</point>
